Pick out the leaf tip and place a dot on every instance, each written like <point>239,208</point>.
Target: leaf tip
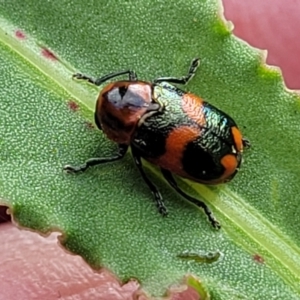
<point>198,286</point>
<point>223,26</point>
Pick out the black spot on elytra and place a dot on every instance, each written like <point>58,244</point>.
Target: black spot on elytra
<point>199,163</point>
<point>151,139</point>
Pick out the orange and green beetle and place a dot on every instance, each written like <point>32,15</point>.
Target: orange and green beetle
<point>173,129</point>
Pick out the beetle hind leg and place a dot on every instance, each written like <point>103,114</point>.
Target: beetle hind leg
<point>170,179</point>
<point>157,196</point>
<point>246,143</point>
<point>184,79</point>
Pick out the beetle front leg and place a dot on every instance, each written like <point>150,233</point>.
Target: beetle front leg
<point>131,75</point>
<point>157,196</point>
<point>97,161</point>
<point>170,179</point>
<point>185,79</point>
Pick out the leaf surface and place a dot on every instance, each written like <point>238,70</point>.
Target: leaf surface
<point>107,214</point>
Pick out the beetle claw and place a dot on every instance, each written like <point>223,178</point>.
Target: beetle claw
<point>246,143</point>
<point>216,224</point>
<point>74,169</point>
<point>77,76</point>
<point>163,211</point>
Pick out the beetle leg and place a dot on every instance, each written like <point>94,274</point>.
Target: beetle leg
<point>98,81</point>
<point>185,79</point>
<point>170,179</point>
<point>246,143</point>
<point>97,161</point>
<point>157,196</point>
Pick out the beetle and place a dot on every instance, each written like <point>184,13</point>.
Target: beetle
<point>171,128</point>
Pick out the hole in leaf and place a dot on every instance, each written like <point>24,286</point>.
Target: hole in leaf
<point>4,216</point>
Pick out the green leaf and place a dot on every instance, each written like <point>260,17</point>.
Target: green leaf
<point>107,214</point>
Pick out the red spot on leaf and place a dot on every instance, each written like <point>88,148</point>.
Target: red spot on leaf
<point>20,34</point>
<point>258,258</point>
<point>89,125</point>
<point>73,105</point>
<point>48,54</point>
